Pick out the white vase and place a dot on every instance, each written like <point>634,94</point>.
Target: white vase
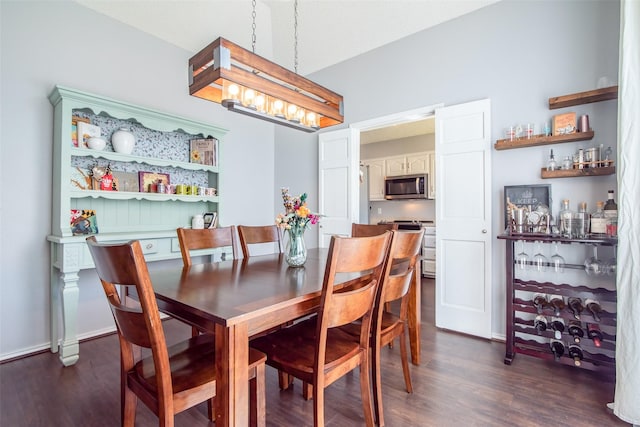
<point>96,143</point>
<point>123,141</point>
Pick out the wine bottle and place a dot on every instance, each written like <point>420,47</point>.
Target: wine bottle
<point>575,330</point>
<point>558,304</point>
<point>594,307</point>
<point>576,307</point>
<point>540,302</point>
<point>557,324</point>
<point>611,214</point>
<point>557,348</point>
<point>575,352</point>
<point>598,221</point>
<point>594,332</point>
<point>540,323</point>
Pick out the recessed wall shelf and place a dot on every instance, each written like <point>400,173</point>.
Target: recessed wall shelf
<point>597,95</point>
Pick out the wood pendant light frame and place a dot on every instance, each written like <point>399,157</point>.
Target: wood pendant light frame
<point>206,78</point>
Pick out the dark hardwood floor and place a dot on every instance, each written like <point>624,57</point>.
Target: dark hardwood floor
<point>462,381</point>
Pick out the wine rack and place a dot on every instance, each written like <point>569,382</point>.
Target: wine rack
<point>522,335</point>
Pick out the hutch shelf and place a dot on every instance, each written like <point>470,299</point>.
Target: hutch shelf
<point>162,146</point>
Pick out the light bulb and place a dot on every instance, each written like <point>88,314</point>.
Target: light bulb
<point>234,90</point>
<point>292,109</point>
<point>260,102</point>
<point>249,96</point>
<point>278,106</point>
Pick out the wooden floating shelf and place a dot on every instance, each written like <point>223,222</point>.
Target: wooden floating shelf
<point>570,173</point>
<point>580,98</point>
<point>505,144</point>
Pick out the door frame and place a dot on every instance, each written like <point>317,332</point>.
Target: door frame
<point>420,113</point>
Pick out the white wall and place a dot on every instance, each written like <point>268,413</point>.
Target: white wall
<point>518,54</point>
<point>48,43</point>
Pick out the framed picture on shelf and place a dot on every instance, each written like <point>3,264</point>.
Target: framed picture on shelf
<point>528,196</point>
<point>74,128</point>
<point>564,124</point>
<point>86,131</point>
<point>83,221</point>
<point>204,151</point>
<point>147,179</point>
<point>210,219</point>
<point>126,181</point>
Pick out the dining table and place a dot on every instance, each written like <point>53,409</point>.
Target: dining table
<point>239,299</point>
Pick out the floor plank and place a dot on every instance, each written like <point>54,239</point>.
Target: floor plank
<point>462,381</point>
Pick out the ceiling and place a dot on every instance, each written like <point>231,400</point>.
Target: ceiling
<point>329,31</point>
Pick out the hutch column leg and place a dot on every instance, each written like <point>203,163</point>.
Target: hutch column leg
<point>509,351</point>
<point>69,348</point>
<point>54,306</point>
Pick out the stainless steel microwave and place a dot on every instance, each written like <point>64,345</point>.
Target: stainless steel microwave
<point>406,187</point>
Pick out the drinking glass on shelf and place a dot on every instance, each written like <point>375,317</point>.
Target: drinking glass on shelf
<point>557,260</point>
<point>540,261</point>
<point>593,266</point>
<point>610,266</point>
<point>522,258</point>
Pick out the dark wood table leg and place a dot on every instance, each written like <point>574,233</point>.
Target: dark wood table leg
<point>232,368</point>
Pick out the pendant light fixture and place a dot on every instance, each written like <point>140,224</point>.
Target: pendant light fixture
<point>247,83</point>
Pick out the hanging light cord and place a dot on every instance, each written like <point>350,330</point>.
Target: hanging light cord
<point>295,36</point>
<point>253,27</point>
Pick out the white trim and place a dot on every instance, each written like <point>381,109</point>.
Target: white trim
<point>397,118</point>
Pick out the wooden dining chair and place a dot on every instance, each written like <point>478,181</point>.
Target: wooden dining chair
<point>316,350</point>
<point>209,238</point>
<point>366,230</point>
<point>399,271</point>
<point>174,378</point>
<point>252,235</point>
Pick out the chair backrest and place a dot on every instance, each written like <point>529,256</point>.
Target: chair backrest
<point>367,230</point>
<point>251,235</point>
<point>363,255</point>
<point>124,264</point>
<point>403,256</point>
<point>208,238</point>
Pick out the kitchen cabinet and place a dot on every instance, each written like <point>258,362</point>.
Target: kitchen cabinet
<point>432,176</point>
<point>376,178</point>
<point>523,337</point>
<point>407,164</point>
<point>161,147</point>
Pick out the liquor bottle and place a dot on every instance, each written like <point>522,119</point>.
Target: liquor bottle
<point>576,307</point>
<point>566,219</point>
<point>540,323</point>
<point>551,163</point>
<point>594,307</point>
<point>611,214</point>
<point>558,304</point>
<point>540,302</point>
<point>575,352</point>
<point>557,324</point>
<point>557,348</point>
<point>598,221</point>
<point>581,223</point>
<point>594,332</point>
<point>576,331</point>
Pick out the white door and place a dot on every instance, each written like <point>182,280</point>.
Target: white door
<point>463,218</point>
<point>338,180</point>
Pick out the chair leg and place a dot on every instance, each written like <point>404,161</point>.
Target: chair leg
<point>211,413</point>
<point>257,402</point>
<point>307,390</point>
<point>405,361</point>
<point>365,389</point>
<point>284,380</point>
<point>194,331</point>
<point>128,409</point>
<point>318,406</point>
<point>377,385</point>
